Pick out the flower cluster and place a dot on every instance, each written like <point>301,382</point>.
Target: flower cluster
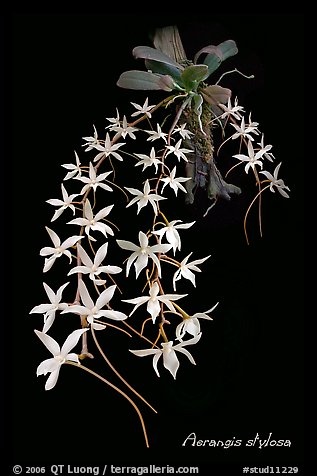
<point>95,244</point>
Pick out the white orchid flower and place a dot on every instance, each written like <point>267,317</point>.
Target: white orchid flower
<point>168,351</point>
<point>114,121</point>
<point>178,151</point>
<point>183,132</point>
<point>158,134</point>
<point>94,180</point>
<point>75,170</point>
<point>174,183</point>
<point>62,204</point>
<point>230,110</point>
<point>244,130</point>
<point>186,269</point>
<point>252,159</point>
<point>145,197</point>
<point>94,268</point>
<point>91,141</point>
<point>148,160</point>
<point>124,129</point>
<point>276,182</point>
<point>59,248</point>
<point>171,233</point>
<point>49,310</point>
<point>253,125</point>
<point>60,355</point>
<point>142,253</point>
<point>108,149</point>
<point>145,109</point>
<point>191,324</point>
<point>265,150</point>
<point>154,301</point>
<point>91,222</point>
<point>95,310</point>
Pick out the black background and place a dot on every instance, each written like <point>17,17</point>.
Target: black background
<point>249,373</point>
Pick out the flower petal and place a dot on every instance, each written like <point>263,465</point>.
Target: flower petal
<point>60,292</point>
<point>50,293</point>
<point>115,315</point>
<point>143,239</point>
<point>76,309</point>
<point>52,379</point>
<point>110,269</point>
<point>84,256</point>
<point>97,327</point>
<point>188,274</point>
<point>192,341</point>
<point>188,355</point>
<point>54,237</point>
<point>88,210</point>
<point>84,294</point>
<point>161,248</point>
<point>192,326</point>
<point>73,357</point>
<point>58,213</point>
<point>170,360</point>
<point>55,202</point>
<point>180,331</point>
<point>49,263</point>
<point>103,213</point>
<point>47,250</point>
<point>68,254</point>
<point>79,269</point>
<point>105,297</point>
<point>103,228</point>
<point>101,254</point>
<point>41,308</point>
<point>49,342</point>
<point>140,263</point>
<point>153,308</point>
<point>127,245</point>
<point>49,319</point>
<point>48,365</point>
<point>131,259</point>
<point>166,298</point>
<point>198,261</point>
<point>137,301</point>
<point>78,221</point>
<point>72,341</point>
<point>71,241</point>
<point>144,352</point>
<point>155,361</point>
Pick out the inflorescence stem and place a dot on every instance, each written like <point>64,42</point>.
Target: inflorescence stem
<point>86,369</point>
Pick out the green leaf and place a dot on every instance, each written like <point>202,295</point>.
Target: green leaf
<point>144,80</point>
<point>163,68</point>
<point>210,49</point>
<point>213,61</point>
<point>148,53</point>
<point>216,94</point>
<point>193,75</point>
<point>228,48</point>
<point>217,54</point>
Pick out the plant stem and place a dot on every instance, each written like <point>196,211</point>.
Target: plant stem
<point>86,369</point>
<point>115,370</point>
<point>247,212</point>
<point>140,335</point>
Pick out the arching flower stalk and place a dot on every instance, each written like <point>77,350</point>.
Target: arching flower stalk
<point>177,158</point>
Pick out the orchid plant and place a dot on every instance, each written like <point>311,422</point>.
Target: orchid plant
<point>178,157</point>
